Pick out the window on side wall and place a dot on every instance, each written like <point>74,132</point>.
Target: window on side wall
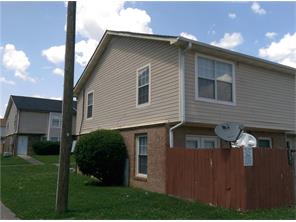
<point>201,142</point>
<point>90,103</point>
<point>264,142</point>
<point>54,139</point>
<point>214,80</point>
<point>141,155</point>
<point>56,122</point>
<point>143,86</point>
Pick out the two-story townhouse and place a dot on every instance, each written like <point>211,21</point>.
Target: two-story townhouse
<point>30,119</point>
<point>169,91</point>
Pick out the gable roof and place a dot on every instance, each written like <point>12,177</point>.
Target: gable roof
<point>34,104</point>
<point>177,41</point>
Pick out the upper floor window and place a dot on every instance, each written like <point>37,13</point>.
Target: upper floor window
<point>215,79</point>
<point>90,104</point>
<point>197,142</point>
<point>143,85</point>
<point>56,122</point>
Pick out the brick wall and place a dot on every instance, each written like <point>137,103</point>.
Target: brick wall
<point>10,144</point>
<point>156,170</point>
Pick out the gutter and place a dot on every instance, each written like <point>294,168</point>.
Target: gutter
<point>182,92</point>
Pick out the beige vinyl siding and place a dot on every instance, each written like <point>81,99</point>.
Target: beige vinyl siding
<point>264,99</point>
<point>114,84</point>
<point>79,113</point>
<point>33,122</point>
<point>11,121</point>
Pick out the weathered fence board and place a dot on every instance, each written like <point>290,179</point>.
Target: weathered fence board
<point>217,176</point>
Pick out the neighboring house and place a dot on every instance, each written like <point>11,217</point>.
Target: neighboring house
<point>2,134</point>
<point>30,119</point>
<point>162,91</point>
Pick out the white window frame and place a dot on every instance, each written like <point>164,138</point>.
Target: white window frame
<point>265,138</point>
<point>137,155</point>
<point>233,103</point>
<point>201,139</point>
<point>53,116</point>
<point>137,88</point>
<point>92,114</point>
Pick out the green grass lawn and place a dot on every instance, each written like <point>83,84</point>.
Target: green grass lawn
<point>29,191</point>
<point>12,160</point>
<point>51,159</point>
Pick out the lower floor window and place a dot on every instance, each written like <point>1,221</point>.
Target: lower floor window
<point>264,142</point>
<point>196,142</point>
<point>54,139</point>
<point>141,154</point>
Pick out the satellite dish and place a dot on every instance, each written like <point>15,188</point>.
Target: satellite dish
<point>245,140</point>
<point>233,132</point>
<point>229,131</point>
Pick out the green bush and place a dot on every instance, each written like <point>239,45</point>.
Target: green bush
<point>102,154</point>
<point>46,148</point>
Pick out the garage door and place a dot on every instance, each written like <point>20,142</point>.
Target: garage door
<point>22,145</point>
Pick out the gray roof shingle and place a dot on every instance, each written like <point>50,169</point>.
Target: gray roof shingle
<point>39,104</point>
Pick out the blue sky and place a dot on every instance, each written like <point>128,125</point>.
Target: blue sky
<point>33,35</point>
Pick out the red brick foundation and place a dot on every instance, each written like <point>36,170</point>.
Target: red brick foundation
<point>157,143</point>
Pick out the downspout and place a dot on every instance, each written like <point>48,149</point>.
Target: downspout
<point>182,92</point>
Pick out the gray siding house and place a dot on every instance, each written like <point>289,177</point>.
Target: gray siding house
<point>30,119</point>
<point>169,91</point>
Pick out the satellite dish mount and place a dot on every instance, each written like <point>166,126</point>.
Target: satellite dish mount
<point>233,133</point>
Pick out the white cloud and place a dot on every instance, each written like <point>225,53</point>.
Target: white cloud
<point>270,35</point>
<point>58,71</point>
<point>84,50</point>
<point>55,54</point>
<point>232,15</point>
<point>5,81</point>
<point>283,51</point>
<point>256,8</point>
<point>56,98</point>
<point>46,97</point>
<point>17,61</point>
<point>188,36</point>
<point>212,30</point>
<point>229,41</point>
<point>94,17</point>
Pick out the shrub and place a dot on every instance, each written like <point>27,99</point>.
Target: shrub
<point>46,148</point>
<point>102,154</point>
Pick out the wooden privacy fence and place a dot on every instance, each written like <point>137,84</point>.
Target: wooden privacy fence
<point>218,177</point>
